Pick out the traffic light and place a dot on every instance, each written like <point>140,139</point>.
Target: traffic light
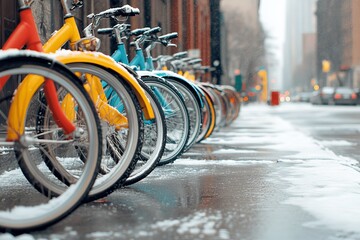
<point>326,66</point>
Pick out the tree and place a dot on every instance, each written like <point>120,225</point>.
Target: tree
<point>245,45</point>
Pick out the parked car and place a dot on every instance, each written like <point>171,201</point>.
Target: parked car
<point>327,95</point>
<point>315,98</point>
<point>345,95</point>
<point>357,91</point>
<point>305,96</point>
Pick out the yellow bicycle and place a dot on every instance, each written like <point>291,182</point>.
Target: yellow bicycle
<point>123,131</point>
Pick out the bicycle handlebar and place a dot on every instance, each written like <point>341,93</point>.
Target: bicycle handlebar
<point>180,55</point>
<point>168,36</point>
<point>186,59</point>
<point>195,61</point>
<point>123,11</point>
<point>76,4</point>
<point>105,31</point>
<point>153,31</point>
<point>139,31</point>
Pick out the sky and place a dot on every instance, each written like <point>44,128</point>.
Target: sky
<point>272,16</point>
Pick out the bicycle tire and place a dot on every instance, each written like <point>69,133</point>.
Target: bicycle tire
<point>234,101</point>
<point>193,107</point>
<point>177,121</point>
<point>43,211</point>
<point>209,116</point>
<point>123,146</point>
<point>220,107</point>
<point>154,140</point>
<point>229,108</point>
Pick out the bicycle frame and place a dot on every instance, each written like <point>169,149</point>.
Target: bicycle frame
<point>70,32</point>
<point>26,34</point>
<point>120,55</point>
<point>138,60</point>
<point>143,63</point>
<point>165,73</point>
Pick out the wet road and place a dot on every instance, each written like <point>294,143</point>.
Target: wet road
<point>331,125</point>
<point>256,179</point>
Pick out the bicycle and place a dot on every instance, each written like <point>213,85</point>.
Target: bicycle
<point>124,133</point>
<point>28,145</point>
<point>155,129</point>
<point>176,115</point>
<point>177,63</point>
<point>21,134</point>
<point>192,94</point>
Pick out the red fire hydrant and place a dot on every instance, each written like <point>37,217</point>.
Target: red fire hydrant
<point>275,98</point>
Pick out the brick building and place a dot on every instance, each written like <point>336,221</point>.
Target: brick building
<point>339,41</point>
<point>190,18</point>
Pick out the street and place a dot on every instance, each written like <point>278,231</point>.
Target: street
<point>286,172</point>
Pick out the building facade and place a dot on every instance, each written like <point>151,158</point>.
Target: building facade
<point>351,38</point>
<point>196,21</point>
<point>339,42</point>
<point>192,19</point>
<point>243,41</point>
<point>300,20</point>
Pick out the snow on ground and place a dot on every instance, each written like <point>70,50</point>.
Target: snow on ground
<point>5,150</point>
<point>198,225</point>
<point>232,151</point>
<point>8,236</point>
<point>325,185</point>
<point>322,183</point>
<point>224,162</point>
<point>339,143</point>
<point>12,178</point>
<point>329,191</point>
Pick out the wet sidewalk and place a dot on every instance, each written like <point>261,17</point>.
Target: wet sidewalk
<point>260,178</point>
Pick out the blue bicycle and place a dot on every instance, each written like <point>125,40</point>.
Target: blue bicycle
<point>171,100</point>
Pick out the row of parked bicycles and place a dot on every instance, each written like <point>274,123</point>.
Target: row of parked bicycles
<point>81,124</point>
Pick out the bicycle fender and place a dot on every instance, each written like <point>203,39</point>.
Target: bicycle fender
<point>147,74</point>
<point>22,98</point>
<point>102,60</point>
<point>198,93</point>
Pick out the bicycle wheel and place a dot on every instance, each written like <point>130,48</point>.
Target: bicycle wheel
<point>193,107</point>
<point>154,140</point>
<point>209,116</point>
<point>176,117</point>
<point>123,143</point>
<point>229,108</point>
<point>23,208</point>
<point>234,102</point>
<point>220,107</point>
